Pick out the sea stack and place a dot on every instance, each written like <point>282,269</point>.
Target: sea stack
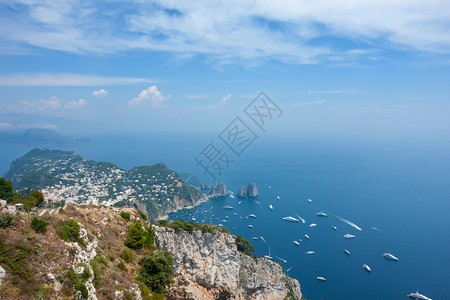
<point>242,193</point>
<point>252,191</point>
<point>219,190</point>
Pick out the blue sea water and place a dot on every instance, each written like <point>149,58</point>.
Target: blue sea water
<point>402,189</point>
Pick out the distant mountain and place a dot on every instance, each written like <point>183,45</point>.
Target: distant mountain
<point>38,137</point>
<point>64,175</point>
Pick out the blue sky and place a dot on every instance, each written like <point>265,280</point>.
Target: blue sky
<point>336,68</point>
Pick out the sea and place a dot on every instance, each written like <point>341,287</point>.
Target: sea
<point>392,195</point>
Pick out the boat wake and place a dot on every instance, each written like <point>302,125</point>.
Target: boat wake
<point>349,223</point>
<point>283,260</point>
<point>303,220</point>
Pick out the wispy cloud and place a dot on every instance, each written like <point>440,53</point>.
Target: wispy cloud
<point>222,102</point>
<point>150,95</point>
<point>100,93</point>
<point>309,103</point>
<point>333,92</point>
<point>292,31</point>
<point>53,106</point>
<point>66,79</point>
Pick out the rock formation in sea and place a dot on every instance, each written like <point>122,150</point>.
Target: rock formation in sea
<point>219,190</point>
<point>252,191</point>
<point>242,193</point>
<point>209,266</point>
<point>204,187</point>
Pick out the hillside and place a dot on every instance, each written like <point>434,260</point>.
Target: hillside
<point>66,176</point>
<point>94,263</point>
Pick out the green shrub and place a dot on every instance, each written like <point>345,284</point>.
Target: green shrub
<point>7,221</point>
<point>78,281</point>
<point>143,216</point>
<point>70,232</point>
<point>38,225</point>
<point>244,246</point>
<point>125,215</point>
<point>97,273</point>
<point>122,266</point>
<point>128,295</point>
<point>139,236</point>
<point>156,272</point>
<point>127,255</point>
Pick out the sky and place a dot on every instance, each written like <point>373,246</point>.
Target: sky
<point>341,68</point>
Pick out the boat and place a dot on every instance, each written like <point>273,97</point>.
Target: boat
<point>239,202</point>
<point>194,219</point>
<point>322,214</point>
<point>321,278</point>
<point>255,238</point>
<point>334,227</point>
<point>270,187</point>
<point>297,243</point>
<point>313,225</point>
<point>227,217</point>
<point>390,256</point>
<point>306,236</point>
<point>349,236</point>
<point>347,252</point>
<point>270,206</point>
<point>252,216</point>
<point>310,252</point>
<point>228,207</point>
<point>278,197</point>
<point>235,228</point>
<point>224,221</point>
<point>268,257</point>
<point>250,226</point>
<point>235,214</point>
<point>417,295</point>
<point>309,200</point>
<point>366,267</point>
<point>292,219</point>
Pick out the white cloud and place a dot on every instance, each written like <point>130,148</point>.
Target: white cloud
<point>309,103</point>
<point>65,79</point>
<point>75,104</point>
<point>100,93</point>
<point>6,126</point>
<point>222,102</point>
<point>43,105</point>
<point>151,95</point>
<point>293,31</point>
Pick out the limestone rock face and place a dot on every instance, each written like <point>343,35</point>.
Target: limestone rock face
<point>242,193</point>
<point>252,191</point>
<point>211,267</point>
<point>2,274</point>
<point>219,190</point>
<point>3,203</point>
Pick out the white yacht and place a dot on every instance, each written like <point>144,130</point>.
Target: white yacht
<point>347,252</point>
<point>310,252</point>
<point>366,267</point>
<point>235,214</point>
<point>252,215</point>
<point>268,257</point>
<point>321,278</point>
<point>250,226</point>
<point>313,225</point>
<point>278,197</point>
<point>417,295</point>
<point>349,236</point>
<point>334,227</point>
<point>270,206</point>
<point>309,200</point>
<point>292,219</point>
<point>306,236</point>
<point>297,243</point>
<point>255,238</point>
<point>322,214</point>
<point>228,207</point>
<point>390,256</point>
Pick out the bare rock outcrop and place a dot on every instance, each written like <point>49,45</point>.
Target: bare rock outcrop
<point>252,191</point>
<point>242,193</point>
<point>211,267</point>
<point>219,190</point>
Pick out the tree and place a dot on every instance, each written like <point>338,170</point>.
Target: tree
<point>136,236</point>
<point>37,198</point>
<point>6,190</point>
<point>157,270</point>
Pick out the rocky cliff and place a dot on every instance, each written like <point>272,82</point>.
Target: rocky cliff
<point>242,193</point>
<point>219,190</point>
<point>38,264</point>
<point>211,267</point>
<point>252,191</point>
